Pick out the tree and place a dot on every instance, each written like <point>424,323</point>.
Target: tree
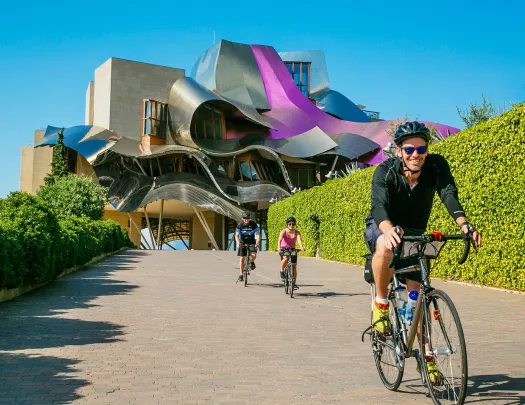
<point>75,196</point>
<point>477,113</point>
<point>59,162</point>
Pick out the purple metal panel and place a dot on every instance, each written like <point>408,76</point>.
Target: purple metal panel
<point>292,113</point>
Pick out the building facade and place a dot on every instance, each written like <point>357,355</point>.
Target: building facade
<point>183,156</point>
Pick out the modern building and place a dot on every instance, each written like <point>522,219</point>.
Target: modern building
<point>183,156</point>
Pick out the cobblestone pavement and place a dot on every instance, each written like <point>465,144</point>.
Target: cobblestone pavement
<point>174,328</point>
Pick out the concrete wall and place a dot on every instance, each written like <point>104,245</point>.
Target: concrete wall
<point>199,237</point>
<point>90,102</point>
<point>102,95</point>
<point>123,219</point>
<point>120,88</point>
<point>26,169</point>
<point>42,158</point>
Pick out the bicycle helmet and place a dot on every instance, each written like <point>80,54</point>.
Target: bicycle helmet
<point>410,130</point>
<point>290,219</point>
<point>246,214</point>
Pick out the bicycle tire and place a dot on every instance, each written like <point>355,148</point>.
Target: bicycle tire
<point>286,280</point>
<point>246,264</point>
<point>290,275</point>
<point>447,342</point>
<point>392,375</point>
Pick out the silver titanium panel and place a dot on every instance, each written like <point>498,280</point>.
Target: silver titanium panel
<point>352,146</point>
<point>318,73</point>
<point>186,95</point>
<point>307,144</point>
<point>334,103</point>
<point>229,69</point>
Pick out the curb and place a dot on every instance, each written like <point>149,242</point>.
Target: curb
<point>9,293</point>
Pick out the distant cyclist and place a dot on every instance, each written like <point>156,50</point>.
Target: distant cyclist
<point>247,233</point>
<point>403,190</point>
<point>287,239</point>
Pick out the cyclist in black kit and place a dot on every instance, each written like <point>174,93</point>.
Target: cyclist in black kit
<point>247,233</point>
<point>403,190</point>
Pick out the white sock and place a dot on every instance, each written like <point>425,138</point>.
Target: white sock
<point>383,301</point>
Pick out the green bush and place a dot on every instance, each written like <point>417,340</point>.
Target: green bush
<point>74,195</point>
<point>36,246</point>
<point>488,164</point>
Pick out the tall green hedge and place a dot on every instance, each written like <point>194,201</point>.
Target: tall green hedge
<point>488,162</point>
<point>36,246</point>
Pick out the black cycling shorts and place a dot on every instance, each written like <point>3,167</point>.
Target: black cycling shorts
<point>243,250</point>
<point>372,232</point>
<point>294,256</point>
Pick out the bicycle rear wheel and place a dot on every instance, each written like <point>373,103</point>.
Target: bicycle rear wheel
<point>441,329</point>
<point>290,277</point>
<point>388,352</point>
<point>286,280</point>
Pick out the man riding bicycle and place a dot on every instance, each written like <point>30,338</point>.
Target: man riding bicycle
<point>403,190</point>
<point>246,234</point>
<point>287,239</point>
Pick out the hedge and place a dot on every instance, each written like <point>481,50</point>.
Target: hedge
<point>36,246</point>
<point>488,163</point>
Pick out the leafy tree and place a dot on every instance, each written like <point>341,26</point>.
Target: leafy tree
<point>477,113</point>
<point>75,196</point>
<point>59,163</point>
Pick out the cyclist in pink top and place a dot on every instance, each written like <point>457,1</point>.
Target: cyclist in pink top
<point>287,239</point>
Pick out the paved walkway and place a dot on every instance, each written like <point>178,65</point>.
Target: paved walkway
<point>173,328</point>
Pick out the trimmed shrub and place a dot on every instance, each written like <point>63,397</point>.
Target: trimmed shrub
<point>74,195</point>
<point>488,163</point>
<point>35,246</point>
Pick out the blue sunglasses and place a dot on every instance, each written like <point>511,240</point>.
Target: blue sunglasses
<point>420,150</point>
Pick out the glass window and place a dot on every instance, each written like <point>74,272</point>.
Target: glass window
<point>154,167</point>
<point>300,72</point>
<point>209,123</point>
<point>254,173</point>
<point>71,157</point>
<point>166,164</point>
<point>155,118</point>
<point>245,171</point>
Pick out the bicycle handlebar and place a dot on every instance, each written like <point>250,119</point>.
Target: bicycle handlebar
<point>435,237</point>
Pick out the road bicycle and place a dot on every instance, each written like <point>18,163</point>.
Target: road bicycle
<point>247,265</point>
<point>288,271</point>
<point>435,322</point>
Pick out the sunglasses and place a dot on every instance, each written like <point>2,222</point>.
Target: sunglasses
<point>290,223</point>
<point>420,150</point>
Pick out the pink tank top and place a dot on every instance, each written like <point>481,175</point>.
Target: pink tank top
<point>288,242</point>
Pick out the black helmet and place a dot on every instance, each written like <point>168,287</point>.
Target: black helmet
<point>411,129</point>
<point>246,214</point>
<point>290,219</point>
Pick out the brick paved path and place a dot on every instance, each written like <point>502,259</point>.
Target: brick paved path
<point>162,328</point>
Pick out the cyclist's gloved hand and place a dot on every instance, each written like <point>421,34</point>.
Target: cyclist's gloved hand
<point>467,227</point>
<point>393,237</point>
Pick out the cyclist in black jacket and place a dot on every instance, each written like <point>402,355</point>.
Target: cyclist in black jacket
<point>403,190</point>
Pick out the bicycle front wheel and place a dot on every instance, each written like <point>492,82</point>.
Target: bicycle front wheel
<point>443,350</point>
<point>290,277</point>
<point>246,272</point>
<point>388,352</point>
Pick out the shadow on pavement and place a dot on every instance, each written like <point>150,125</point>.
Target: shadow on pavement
<point>326,294</point>
<point>34,379</point>
<point>489,389</point>
<point>31,322</point>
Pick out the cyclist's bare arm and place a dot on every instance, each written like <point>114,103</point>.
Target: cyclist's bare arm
<point>281,235</point>
<point>299,241</point>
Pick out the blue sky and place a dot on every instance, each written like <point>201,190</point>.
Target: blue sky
<point>397,58</point>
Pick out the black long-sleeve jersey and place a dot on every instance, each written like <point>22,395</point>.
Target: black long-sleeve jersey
<point>392,198</point>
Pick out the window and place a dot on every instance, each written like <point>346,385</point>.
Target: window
<point>247,171</point>
<point>224,166</point>
<point>304,178</point>
<point>71,159</point>
<point>155,118</point>
<point>300,72</point>
<point>208,123</point>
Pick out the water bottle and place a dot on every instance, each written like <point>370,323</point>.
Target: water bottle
<point>411,306</point>
<point>401,300</point>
